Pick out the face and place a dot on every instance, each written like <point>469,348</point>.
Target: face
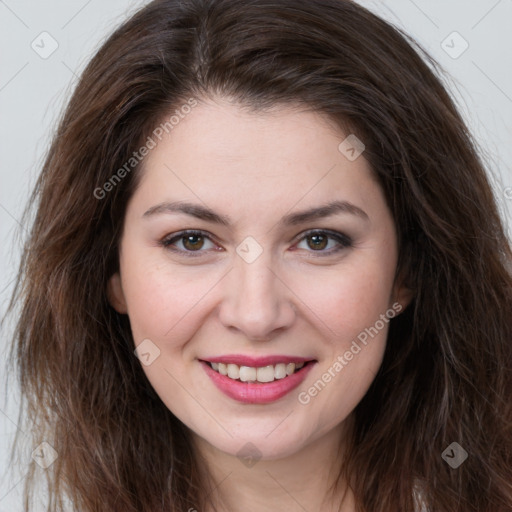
<point>255,246</point>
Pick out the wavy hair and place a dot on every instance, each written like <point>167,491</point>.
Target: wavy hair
<point>446,373</point>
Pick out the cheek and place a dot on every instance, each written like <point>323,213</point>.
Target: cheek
<point>350,305</point>
<point>162,301</point>
<point>350,298</point>
<point>353,348</point>
<point>341,383</point>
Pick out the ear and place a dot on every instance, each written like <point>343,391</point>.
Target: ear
<point>402,293</point>
<point>115,294</point>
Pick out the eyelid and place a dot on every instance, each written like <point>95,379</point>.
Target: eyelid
<point>344,241</point>
<point>168,240</point>
<point>323,231</point>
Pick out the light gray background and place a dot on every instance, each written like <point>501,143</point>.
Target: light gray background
<point>33,91</point>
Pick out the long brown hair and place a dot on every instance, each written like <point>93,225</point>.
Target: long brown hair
<point>446,374</point>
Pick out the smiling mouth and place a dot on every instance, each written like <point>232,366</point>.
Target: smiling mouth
<point>260,374</point>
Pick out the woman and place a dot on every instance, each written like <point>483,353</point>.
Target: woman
<point>266,270</point>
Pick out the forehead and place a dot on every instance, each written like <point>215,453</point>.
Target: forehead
<point>223,154</point>
<point>225,132</point>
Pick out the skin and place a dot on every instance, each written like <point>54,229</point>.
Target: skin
<point>255,168</point>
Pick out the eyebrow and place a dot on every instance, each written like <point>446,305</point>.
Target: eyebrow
<point>291,219</point>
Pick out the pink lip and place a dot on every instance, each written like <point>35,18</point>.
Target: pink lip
<point>257,393</point>
<point>255,362</point>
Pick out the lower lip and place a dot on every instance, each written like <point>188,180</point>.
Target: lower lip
<point>261,393</point>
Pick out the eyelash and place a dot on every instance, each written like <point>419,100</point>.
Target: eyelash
<point>344,241</point>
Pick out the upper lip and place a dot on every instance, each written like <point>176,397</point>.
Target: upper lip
<point>256,362</point>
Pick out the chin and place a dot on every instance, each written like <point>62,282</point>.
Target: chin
<point>252,445</point>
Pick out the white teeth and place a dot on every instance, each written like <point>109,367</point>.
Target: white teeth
<point>233,371</point>
<point>261,374</point>
<point>247,373</point>
<point>280,371</point>
<point>265,374</point>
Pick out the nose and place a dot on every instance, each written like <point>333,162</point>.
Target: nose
<point>256,301</point>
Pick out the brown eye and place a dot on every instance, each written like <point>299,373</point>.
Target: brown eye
<point>193,242</point>
<point>188,242</point>
<point>317,242</point>
<point>324,242</point>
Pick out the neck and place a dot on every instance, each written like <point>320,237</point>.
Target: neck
<point>305,480</point>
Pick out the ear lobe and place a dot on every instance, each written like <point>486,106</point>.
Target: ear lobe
<point>115,294</point>
<point>402,293</point>
<point>404,296</point>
